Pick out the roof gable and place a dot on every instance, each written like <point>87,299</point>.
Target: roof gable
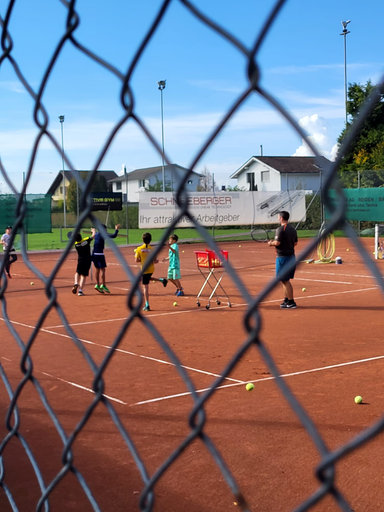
<point>108,175</point>
<point>287,164</point>
<point>140,174</point>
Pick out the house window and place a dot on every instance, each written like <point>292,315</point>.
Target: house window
<point>264,176</point>
<point>190,182</point>
<point>61,191</point>
<point>251,181</point>
<point>118,185</point>
<point>142,183</point>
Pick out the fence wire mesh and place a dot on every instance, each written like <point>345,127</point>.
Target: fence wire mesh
<point>326,468</point>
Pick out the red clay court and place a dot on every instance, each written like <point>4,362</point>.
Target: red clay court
<point>329,350</point>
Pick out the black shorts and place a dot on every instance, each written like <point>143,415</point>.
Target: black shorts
<point>99,260</point>
<point>83,267</point>
<point>146,278</point>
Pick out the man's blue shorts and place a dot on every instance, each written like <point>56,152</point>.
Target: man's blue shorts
<point>99,260</point>
<point>282,263</point>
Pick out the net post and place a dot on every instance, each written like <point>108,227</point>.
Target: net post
<point>376,241</point>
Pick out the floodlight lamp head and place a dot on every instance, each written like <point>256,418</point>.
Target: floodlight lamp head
<point>161,84</point>
<point>344,25</point>
<point>61,118</point>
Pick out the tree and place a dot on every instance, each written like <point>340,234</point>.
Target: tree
<point>158,187</point>
<point>366,156</point>
<point>236,189</point>
<point>207,182</point>
<point>99,184</point>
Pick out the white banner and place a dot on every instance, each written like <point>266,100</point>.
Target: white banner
<point>159,209</point>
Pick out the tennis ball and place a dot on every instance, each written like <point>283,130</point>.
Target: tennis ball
<point>347,249</point>
<point>239,245</point>
<point>175,303</point>
<point>249,386</point>
<point>31,283</point>
<point>304,289</point>
<point>358,399</point>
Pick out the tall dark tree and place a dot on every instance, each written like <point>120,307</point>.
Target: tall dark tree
<point>99,184</point>
<point>366,156</point>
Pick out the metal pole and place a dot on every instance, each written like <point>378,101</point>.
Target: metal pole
<point>358,186</point>
<point>345,78</point>
<point>77,201</point>
<point>61,118</point>
<point>126,201</point>
<point>26,215</point>
<point>344,33</point>
<point>161,85</point>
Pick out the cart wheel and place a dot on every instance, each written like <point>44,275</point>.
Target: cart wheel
<point>207,306</point>
<point>198,304</point>
<point>218,302</point>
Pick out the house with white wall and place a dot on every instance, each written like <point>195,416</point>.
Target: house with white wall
<point>141,179</point>
<point>279,173</point>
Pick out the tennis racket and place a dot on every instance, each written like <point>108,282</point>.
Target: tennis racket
<point>259,235</point>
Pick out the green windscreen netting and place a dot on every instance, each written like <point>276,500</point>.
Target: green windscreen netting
<point>38,212</point>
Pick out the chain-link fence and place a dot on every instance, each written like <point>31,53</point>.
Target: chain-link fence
<point>325,469</point>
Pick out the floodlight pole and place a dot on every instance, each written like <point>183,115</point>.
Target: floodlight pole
<point>161,86</point>
<point>126,199</point>
<point>344,33</point>
<point>61,118</point>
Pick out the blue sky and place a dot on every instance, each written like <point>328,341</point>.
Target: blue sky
<point>301,63</point>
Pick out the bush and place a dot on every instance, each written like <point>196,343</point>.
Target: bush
<point>120,217</point>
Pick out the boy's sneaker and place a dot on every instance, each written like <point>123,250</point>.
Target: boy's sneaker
<point>177,291</point>
<point>8,274</point>
<point>80,293</point>
<point>180,293</point>
<point>282,305</point>
<point>104,288</point>
<point>99,288</point>
<point>74,289</point>
<point>291,304</point>
<point>146,308</point>
<point>164,281</point>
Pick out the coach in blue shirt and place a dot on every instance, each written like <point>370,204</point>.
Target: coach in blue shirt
<point>98,258</point>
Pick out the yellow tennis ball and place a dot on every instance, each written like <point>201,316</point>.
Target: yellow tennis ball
<point>347,249</point>
<point>175,303</point>
<point>358,399</point>
<point>304,289</point>
<point>31,283</point>
<point>249,386</point>
<point>239,245</point>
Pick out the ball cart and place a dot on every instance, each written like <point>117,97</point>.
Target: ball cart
<point>211,267</point>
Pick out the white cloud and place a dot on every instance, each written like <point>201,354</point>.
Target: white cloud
<point>13,86</point>
<point>317,133</point>
<point>289,70</point>
<point>216,86</point>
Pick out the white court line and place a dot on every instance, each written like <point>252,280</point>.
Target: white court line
<point>285,375</point>
<point>84,388</point>
<point>75,385</point>
<point>337,274</point>
<point>233,305</point>
<point>147,316</point>
<point>161,361</point>
<point>312,296</point>
<point>312,280</point>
